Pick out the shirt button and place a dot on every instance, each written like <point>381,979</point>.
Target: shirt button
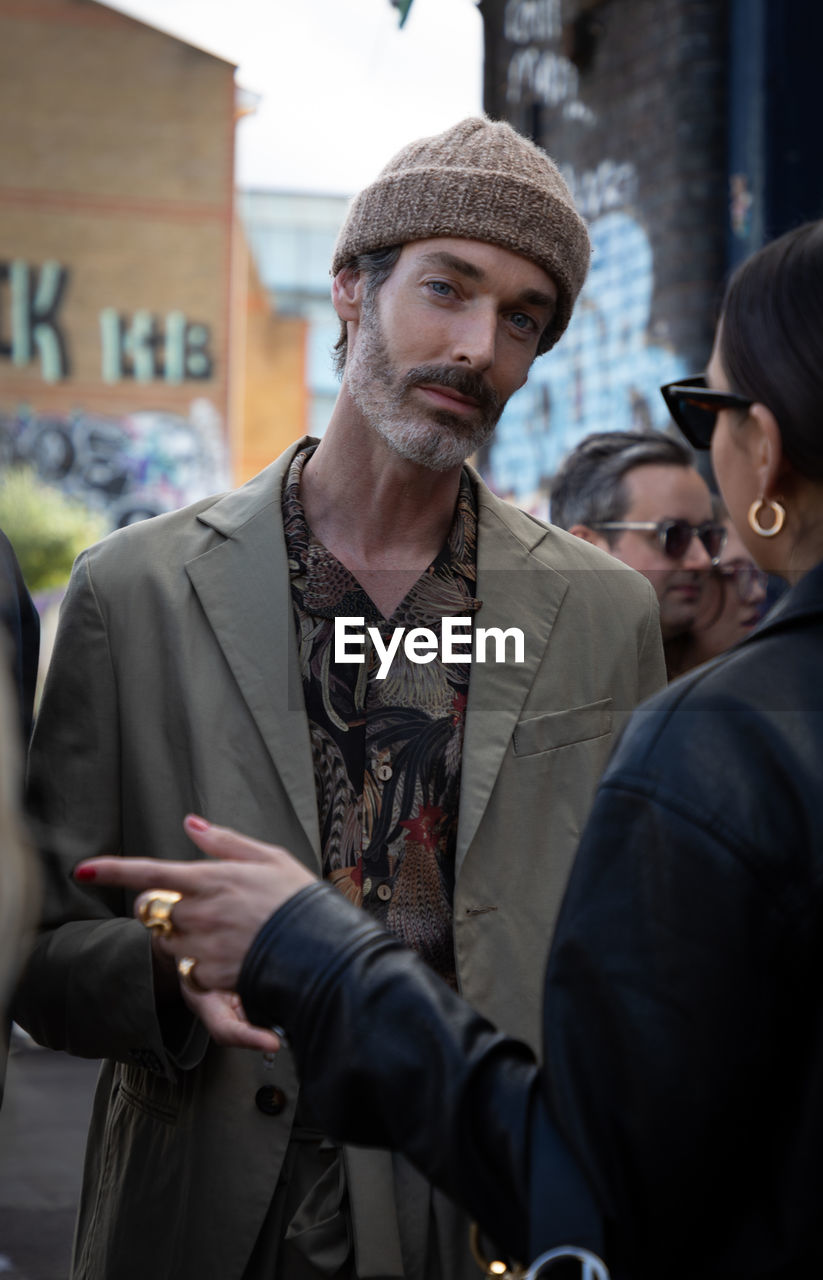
<point>367,885</point>
<point>270,1100</point>
<point>384,892</point>
<point>384,772</point>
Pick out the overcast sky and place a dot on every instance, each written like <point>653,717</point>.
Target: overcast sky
<point>342,87</point>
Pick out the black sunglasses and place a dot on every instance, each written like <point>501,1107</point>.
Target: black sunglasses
<point>674,536</point>
<point>749,581</point>
<point>695,407</point>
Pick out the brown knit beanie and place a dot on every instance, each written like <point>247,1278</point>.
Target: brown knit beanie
<point>480,180</point>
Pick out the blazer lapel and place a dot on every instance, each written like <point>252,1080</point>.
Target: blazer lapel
<point>243,586</point>
<point>516,590</point>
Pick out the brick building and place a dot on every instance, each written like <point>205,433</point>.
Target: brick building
<point>672,121</point>
<point>292,235</point>
<point>133,340</point>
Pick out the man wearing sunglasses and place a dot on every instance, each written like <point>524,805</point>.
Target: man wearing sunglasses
<point>638,496</point>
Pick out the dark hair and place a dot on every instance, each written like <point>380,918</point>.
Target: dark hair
<point>771,339</point>
<point>589,487</point>
<point>376,266</point>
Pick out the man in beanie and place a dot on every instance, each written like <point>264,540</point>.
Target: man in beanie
<point>300,659</point>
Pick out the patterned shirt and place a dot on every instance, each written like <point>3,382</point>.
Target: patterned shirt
<point>387,752</point>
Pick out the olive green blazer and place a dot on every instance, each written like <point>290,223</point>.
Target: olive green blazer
<point>174,687</point>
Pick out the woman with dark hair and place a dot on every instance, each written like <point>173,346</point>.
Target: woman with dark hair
<point>676,1126</point>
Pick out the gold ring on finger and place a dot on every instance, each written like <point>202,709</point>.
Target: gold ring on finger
<point>185,967</point>
<point>155,910</point>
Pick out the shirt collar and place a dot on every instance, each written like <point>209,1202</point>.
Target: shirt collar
<point>326,581</point>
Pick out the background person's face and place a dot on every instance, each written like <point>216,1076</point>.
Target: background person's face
<point>725,618</point>
<point>662,492</point>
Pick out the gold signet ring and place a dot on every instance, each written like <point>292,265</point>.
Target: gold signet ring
<point>155,910</point>
<point>185,967</point>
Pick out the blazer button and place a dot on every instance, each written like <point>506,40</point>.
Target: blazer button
<point>270,1100</point>
<point>384,892</point>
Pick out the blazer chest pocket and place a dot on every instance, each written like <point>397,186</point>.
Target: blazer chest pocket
<point>563,728</point>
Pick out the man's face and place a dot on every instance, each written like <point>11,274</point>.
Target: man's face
<point>659,492</point>
<point>448,338</point>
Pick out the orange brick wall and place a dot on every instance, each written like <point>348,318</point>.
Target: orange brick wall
<point>116,162</point>
<point>274,409</point>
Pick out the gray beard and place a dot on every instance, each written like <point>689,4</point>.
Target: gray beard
<point>435,439</point>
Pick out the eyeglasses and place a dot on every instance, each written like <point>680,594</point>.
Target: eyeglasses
<point>674,536</point>
<point>695,407</point>
<point>750,581</point>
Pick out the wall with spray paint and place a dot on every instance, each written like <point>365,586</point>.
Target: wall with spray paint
<point>117,234</point>
<point>604,375</point>
<point>127,465</point>
<point>128,468</point>
<point>628,97</point>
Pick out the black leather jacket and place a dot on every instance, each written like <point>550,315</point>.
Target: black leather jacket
<point>677,1124</point>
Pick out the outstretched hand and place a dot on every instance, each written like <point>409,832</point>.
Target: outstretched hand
<point>224,903</point>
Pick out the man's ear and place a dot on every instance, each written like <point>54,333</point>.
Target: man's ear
<point>594,536</point>
<point>346,293</point>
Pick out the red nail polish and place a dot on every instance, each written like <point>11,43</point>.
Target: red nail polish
<point>85,873</point>
<point>197,823</point>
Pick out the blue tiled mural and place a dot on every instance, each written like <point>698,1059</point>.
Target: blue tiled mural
<point>604,374</point>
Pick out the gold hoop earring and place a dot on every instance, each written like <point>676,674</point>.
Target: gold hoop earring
<point>777,510</point>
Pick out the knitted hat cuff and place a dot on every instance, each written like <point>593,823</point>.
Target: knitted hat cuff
<point>423,204</point>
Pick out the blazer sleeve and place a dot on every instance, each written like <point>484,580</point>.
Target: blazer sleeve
<point>88,986</point>
<point>651,661</point>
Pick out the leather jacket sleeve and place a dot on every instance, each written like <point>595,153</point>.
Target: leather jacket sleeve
<point>388,1055</point>
<point>678,999</point>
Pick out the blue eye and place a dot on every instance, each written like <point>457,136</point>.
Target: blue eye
<point>521,321</point>
<point>441,288</point>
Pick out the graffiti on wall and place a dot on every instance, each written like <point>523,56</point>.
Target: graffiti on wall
<point>142,346</point>
<point>131,467</point>
<point>527,20</point>
<point>604,375</point>
<point>608,186</point>
<point>537,72</point>
<point>606,372</point>
<point>33,330</point>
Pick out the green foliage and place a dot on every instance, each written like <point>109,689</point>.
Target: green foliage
<point>47,528</point>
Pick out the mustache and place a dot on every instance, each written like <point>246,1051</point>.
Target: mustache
<point>463,381</point>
